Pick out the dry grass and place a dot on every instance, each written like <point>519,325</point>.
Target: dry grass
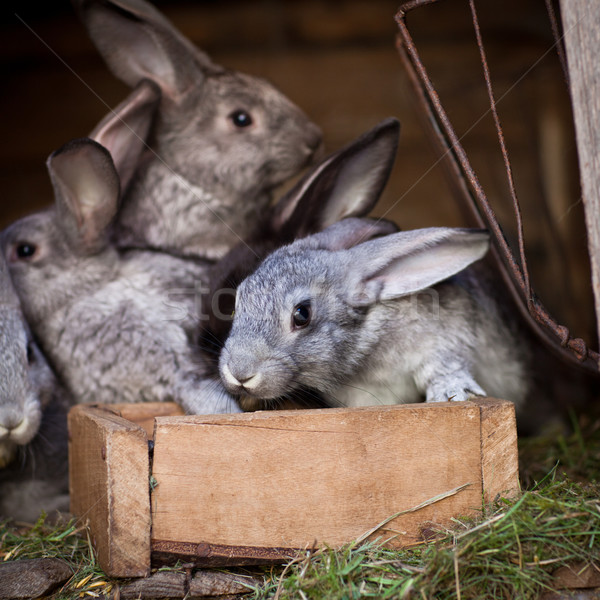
<point>510,552</point>
<point>61,540</point>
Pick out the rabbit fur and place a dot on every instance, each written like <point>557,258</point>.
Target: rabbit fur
<point>24,376</point>
<point>33,419</point>
<point>111,323</point>
<point>391,320</point>
<point>221,141</point>
<point>346,183</point>
<point>38,477</point>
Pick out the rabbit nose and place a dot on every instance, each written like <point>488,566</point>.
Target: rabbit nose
<point>244,379</point>
<point>237,376</point>
<point>15,431</point>
<point>252,382</point>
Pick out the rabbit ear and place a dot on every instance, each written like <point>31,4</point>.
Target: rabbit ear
<point>86,189</point>
<point>410,261</point>
<point>347,184</point>
<point>124,131</point>
<point>138,42</point>
<point>347,233</point>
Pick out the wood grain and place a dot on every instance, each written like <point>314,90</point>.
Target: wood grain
<point>499,451</point>
<point>581,25</point>
<point>255,488</point>
<point>143,413</point>
<point>109,485</point>
<point>292,478</point>
<point>33,577</point>
<point>203,584</point>
<point>163,584</point>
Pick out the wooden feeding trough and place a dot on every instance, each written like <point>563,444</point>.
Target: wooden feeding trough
<point>257,487</point>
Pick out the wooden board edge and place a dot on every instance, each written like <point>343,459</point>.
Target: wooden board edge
<point>87,476</point>
<point>141,413</point>
<point>256,418</point>
<point>110,454</point>
<point>499,450</point>
<point>132,411</point>
<point>218,555</point>
<point>130,519</point>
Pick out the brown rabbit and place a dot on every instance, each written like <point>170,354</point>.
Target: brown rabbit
<point>221,142</point>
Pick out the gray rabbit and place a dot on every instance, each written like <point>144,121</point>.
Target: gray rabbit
<point>38,477</point>
<point>221,142</point>
<point>104,318</point>
<point>346,183</point>
<point>391,320</point>
<point>23,377</point>
<point>33,419</point>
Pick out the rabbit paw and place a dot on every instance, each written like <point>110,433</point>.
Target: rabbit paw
<point>456,387</point>
<point>204,396</point>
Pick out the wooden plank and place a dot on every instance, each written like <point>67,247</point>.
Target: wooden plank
<point>251,483</point>
<point>203,584</point>
<point>581,25</point>
<point>499,450</point>
<point>109,474</point>
<point>143,413</point>
<point>32,577</point>
<point>163,584</point>
<point>169,552</point>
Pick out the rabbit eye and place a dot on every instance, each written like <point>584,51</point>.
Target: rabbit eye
<point>301,315</point>
<point>240,118</point>
<point>25,250</point>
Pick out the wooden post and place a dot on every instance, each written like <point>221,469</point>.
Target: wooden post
<point>109,471</point>
<point>581,25</point>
